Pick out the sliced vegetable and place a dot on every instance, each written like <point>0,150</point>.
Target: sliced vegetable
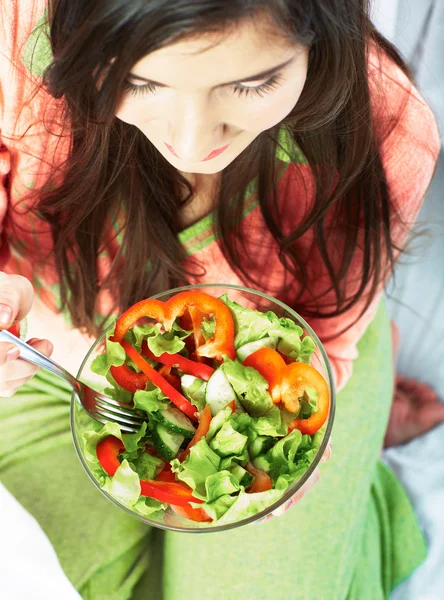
<point>181,362</point>
<point>108,451</point>
<point>270,365</point>
<point>176,397</point>
<point>172,379</point>
<point>262,481</point>
<point>201,431</point>
<point>194,514</point>
<point>219,392</point>
<point>244,351</point>
<point>174,420</point>
<point>166,442</point>
<point>175,494</point>
<point>299,376</point>
<point>223,340</point>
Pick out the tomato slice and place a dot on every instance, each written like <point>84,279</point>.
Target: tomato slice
<point>262,481</point>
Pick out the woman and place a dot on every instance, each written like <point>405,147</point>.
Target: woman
<point>276,144</point>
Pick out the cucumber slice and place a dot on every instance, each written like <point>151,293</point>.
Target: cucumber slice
<point>242,475</point>
<point>244,351</point>
<point>166,442</point>
<point>194,390</point>
<point>174,420</point>
<point>219,392</point>
<point>260,446</point>
<point>262,463</point>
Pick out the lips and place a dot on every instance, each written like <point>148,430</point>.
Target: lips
<point>212,154</point>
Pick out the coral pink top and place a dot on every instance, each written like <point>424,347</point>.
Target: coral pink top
<point>28,150</point>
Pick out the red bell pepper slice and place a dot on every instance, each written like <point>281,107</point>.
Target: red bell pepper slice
<point>128,379</point>
<point>232,405</point>
<point>194,514</point>
<point>175,494</point>
<point>201,431</point>
<point>107,452</point>
<point>176,397</point>
<point>262,481</point>
<point>298,376</point>
<point>270,365</point>
<point>181,362</point>
<point>170,377</point>
<point>166,474</point>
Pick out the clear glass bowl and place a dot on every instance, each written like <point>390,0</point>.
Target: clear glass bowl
<point>80,420</point>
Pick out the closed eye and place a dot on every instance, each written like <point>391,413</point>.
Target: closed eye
<point>238,89</point>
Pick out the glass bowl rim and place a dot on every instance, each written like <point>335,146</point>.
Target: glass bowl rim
<point>291,490</point>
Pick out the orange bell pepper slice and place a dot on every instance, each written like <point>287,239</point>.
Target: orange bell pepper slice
<point>297,377</point>
<point>270,365</point>
<point>201,431</point>
<point>287,383</point>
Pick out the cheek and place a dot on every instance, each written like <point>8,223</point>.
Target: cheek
<point>265,114</point>
<point>136,111</point>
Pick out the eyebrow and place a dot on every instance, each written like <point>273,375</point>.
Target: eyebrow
<point>256,77</point>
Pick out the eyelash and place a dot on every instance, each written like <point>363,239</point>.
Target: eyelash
<point>260,90</point>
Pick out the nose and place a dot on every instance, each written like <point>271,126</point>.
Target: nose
<point>195,130</point>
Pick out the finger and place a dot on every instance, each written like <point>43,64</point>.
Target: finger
<point>16,297</point>
<point>10,388</point>
<point>431,415</point>
<point>8,352</point>
<point>19,369</point>
<point>327,453</point>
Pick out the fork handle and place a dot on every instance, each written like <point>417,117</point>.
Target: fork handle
<point>35,357</point>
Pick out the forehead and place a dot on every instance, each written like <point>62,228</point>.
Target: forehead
<point>210,59</point>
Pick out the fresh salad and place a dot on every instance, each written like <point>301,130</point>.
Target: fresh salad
<point>233,411</point>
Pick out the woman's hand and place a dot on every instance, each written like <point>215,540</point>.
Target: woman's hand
<point>311,481</point>
<point>16,297</point>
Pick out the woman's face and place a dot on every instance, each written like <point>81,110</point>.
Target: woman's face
<point>202,101</point>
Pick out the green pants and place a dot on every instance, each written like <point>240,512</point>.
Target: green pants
<point>354,537</point>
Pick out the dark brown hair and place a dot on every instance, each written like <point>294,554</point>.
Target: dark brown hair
<point>113,168</point>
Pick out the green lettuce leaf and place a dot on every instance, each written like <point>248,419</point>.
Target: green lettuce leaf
<point>195,393</point>
<point>150,400</point>
<point>147,466</point>
<point>217,422</point>
<point>228,441</point>
<point>169,341</point>
<point>247,505</point>
<point>219,484</point>
<point>250,325</point>
<point>114,356</point>
<point>148,506</point>
<point>283,453</point>
<point>217,508</point>
<point>124,486</point>
<point>142,332</point>
<point>118,393</point>
<point>270,424</point>
<point>309,403</point>
<point>251,388</point>
<point>131,440</point>
<point>201,462</point>
<point>208,327</point>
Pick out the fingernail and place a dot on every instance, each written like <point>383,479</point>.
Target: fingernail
<point>5,315</point>
<point>12,353</point>
<point>49,347</point>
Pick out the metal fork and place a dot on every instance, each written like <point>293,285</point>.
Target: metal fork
<point>97,405</point>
